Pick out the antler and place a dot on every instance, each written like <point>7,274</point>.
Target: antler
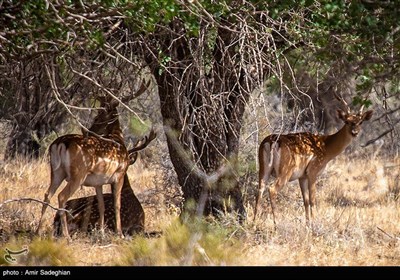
<point>140,145</point>
<point>363,105</point>
<point>107,101</point>
<point>110,100</point>
<point>341,99</point>
<point>143,87</point>
<point>132,158</point>
<point>361,109</point>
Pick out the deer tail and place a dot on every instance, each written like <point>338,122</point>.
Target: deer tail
<point>56,154</point>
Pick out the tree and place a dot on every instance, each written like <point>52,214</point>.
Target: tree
<point>210,56</point>
<point>50,66</point>
<point>203,92</point>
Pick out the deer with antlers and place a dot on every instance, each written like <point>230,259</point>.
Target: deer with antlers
<point>85,211</point>
<point>89,160</point>
<point>303,156</point>
<point>93,159</point>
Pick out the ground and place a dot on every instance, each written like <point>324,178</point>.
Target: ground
<point>356,224</point>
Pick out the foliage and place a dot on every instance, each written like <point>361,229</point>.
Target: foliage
<point>363,34</point>
<point>138,127</point>
<point>40,252</point>
<point>364,31</point>
<point>49,252</point>
<point>192,243</point>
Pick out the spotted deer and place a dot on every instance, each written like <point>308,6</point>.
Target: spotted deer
<point>90,160</point>
<point>85,212</point>
<point>303,156</point>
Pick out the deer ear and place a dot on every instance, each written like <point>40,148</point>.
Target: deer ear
<point>341,115</point>
<point>367,115</point>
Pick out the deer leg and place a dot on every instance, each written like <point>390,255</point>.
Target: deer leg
<point>314,169</point>
<point>261,187</point>
<point>66,193</point>
<point>306,199</point>
<point>273,191</point>
<point>266,160</point>
<point>100,200</point>
<point>312,191</point>
<point>117,205</point>
<point>56,179</point>
<point>272,198</point>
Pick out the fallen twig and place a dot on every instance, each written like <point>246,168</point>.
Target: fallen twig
<point>387,233</point>
<point>36,200</point>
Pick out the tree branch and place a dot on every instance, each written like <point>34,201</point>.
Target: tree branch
<point>380,136</point>
<point>35,200</point>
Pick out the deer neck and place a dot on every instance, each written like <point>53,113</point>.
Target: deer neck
<point>116,135</point>
<point>113,131</point>
<point>336,143</point>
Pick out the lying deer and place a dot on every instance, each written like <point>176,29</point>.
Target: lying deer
<point>85,213</point>
<point>303,156</point>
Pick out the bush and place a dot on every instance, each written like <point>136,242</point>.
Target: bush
<point>192,243</point>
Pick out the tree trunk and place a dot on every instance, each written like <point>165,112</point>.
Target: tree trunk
<point>21,144</point>
<point>208,146</point>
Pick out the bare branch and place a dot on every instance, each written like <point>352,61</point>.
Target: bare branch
<point>209,179</point>
<point>387,113</point>
<point>341,99</point>
<point>381,135</point>
<point>35,200</point>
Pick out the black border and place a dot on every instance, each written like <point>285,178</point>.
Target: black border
<point>188,272</point>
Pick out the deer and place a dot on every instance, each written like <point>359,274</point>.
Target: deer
<point>85,213</point>
<point>91,160</point>
<point>303,156</point>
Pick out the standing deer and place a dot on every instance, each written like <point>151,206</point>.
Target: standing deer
<point>303,156</point>
<point>85,212</point>
<point>90,160</point>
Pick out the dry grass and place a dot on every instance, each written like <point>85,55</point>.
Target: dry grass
<point>357,222</point>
